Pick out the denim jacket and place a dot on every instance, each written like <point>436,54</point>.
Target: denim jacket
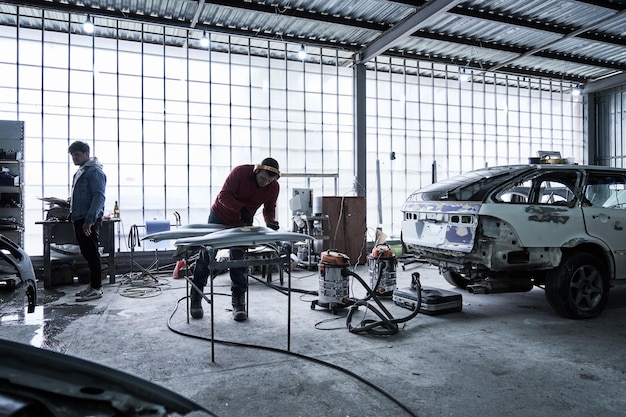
<point>88,192</point>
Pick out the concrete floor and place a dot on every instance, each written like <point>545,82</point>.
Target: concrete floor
<point>503,354</point>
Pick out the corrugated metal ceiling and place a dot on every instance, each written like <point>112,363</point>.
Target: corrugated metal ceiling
<point>577,41</point>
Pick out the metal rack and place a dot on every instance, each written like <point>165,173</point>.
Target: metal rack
<point>318,227</point>
<point>11,180</point>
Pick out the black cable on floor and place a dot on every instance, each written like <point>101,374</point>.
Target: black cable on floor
<point>296,355</point>
<point>387,325</point>
<point>142,286</point>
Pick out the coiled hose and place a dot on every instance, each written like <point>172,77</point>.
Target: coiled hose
<point>387,325</point>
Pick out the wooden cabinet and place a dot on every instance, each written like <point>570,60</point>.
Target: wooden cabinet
<point>348,226</point>
<point>11,180</point>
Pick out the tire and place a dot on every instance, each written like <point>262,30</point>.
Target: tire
<point>456,279</point>
<point>579,287</point>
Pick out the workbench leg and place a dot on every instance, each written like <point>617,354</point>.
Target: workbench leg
<point>47,264</point>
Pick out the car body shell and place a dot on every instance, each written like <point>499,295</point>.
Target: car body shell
<point>519,220</point>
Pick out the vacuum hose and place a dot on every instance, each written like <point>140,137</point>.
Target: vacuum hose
<point>387,325</point>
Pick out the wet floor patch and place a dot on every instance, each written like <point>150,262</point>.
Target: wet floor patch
<point>41,327</point>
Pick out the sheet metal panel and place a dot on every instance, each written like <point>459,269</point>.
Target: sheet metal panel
<point>249,236</point>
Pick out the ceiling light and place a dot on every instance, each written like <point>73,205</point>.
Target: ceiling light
<point>88,25</point>
<point>576,91</point>
<point>204,40</point>
<point>302,52</point>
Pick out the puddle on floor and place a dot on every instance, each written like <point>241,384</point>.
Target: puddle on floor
<point>45,323</point>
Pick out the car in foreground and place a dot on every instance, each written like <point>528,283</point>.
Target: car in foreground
<point>559,227</point>
<point>37,382</point>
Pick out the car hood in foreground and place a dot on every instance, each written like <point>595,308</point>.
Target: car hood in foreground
<point>42,383</point>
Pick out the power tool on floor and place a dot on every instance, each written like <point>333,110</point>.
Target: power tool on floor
<point>334,284</point>
<point>382,269</point>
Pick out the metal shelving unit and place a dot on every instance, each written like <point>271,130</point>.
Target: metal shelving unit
<point>11,180</point>
<point>318,227</point>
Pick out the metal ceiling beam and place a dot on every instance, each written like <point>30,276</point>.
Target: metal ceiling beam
<point>387,33</point>
<point>314,15</point>
<point>102,12</point>
<point>186,24</point>
<point>175,23</point>
<point>404,29</point>
<point>483,14</point>
<point>460,9</point>
<point>237,5</point>
<point>607,4</point>
<point>588,27</point>
<point>196,15</point>
<point>480,67</point>
<point>477,43</point>
<point>492,16</point>
<point>605,84</point>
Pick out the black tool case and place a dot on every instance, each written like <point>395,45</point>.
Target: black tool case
<point>434,300</point>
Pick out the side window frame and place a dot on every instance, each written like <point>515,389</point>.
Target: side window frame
<point>609,190</point>
<point>532,185</point>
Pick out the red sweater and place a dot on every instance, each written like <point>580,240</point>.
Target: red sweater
<point>241,190</point>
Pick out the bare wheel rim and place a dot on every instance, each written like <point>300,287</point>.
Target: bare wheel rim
<point>586,287</point>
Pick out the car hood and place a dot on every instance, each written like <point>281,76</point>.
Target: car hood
<point>39,382</point>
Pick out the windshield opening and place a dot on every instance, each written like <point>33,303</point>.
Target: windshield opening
<point>471,186</point>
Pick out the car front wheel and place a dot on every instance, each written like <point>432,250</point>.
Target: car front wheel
<point>579,287</point>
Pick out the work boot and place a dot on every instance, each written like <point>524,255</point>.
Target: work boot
<point>196,303</point>
<point>239,306</point>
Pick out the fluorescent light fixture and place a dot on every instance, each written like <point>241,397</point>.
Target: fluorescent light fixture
<point>204,40</point>
<point>88,25</point>
<point>302,52</point>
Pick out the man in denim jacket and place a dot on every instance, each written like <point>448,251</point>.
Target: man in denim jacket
<point>86,211</point>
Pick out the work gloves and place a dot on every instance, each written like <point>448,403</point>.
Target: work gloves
<point>247,219</point>
<point>246,216</point>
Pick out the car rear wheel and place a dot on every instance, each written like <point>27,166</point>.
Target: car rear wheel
<point>456,279</point>
<point>579,287</point>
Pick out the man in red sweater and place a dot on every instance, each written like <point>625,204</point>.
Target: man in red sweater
<point>246,188</point>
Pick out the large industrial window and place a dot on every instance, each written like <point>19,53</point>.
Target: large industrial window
<point>425,122</point>
<point>169,122</point>
<point>610,112</point>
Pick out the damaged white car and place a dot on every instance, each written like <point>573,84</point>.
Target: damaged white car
<point>509,228</point>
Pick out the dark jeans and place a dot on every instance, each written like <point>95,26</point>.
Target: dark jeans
<point>89,249</point>
<point>239,281</point>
